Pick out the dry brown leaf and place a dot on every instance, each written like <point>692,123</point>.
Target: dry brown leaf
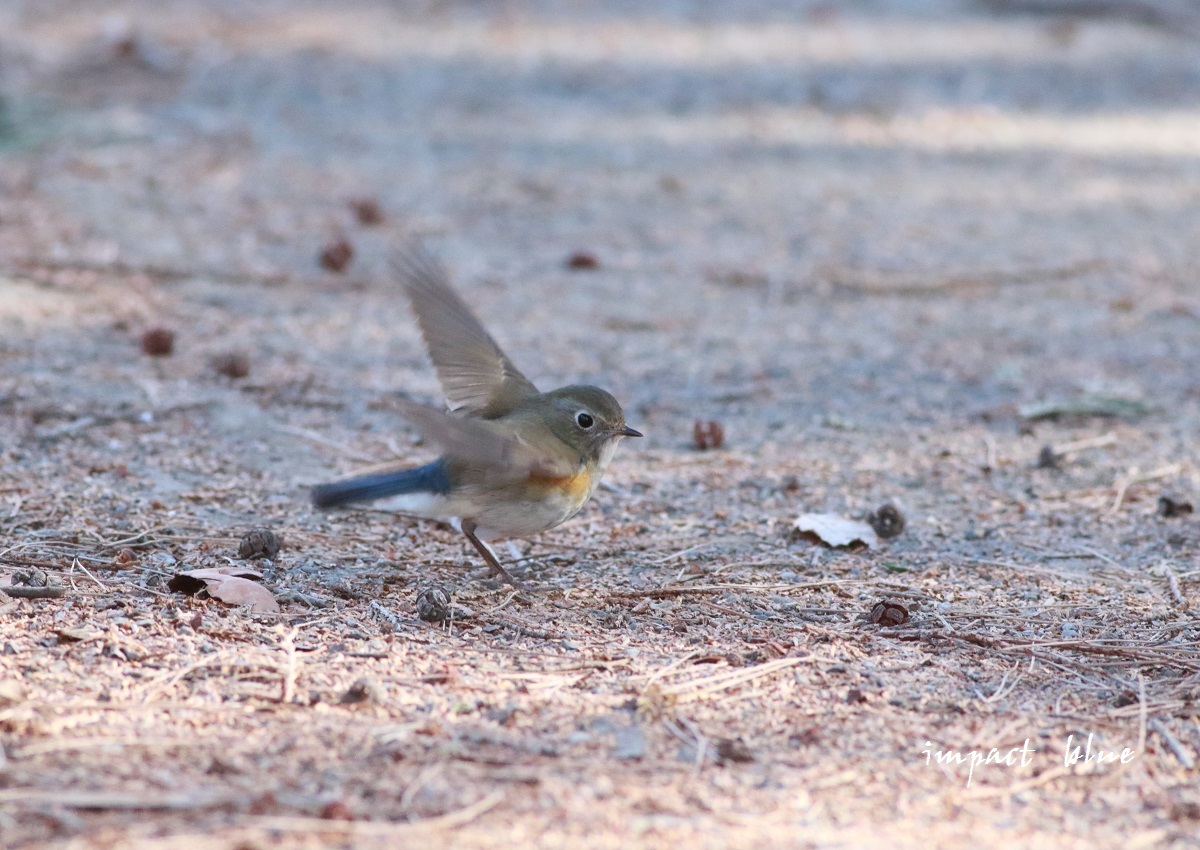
<point>837,530</point>
<point>228,584</point>
<point>238,571</point>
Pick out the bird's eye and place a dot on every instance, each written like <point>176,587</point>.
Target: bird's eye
<point>584,420</point>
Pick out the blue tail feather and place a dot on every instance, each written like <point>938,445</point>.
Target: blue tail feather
<point>430,478</point>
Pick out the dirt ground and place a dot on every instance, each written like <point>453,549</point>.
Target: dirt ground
<point>868,239</point>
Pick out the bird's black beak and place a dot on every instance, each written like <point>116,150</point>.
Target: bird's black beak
<point>629,432</point>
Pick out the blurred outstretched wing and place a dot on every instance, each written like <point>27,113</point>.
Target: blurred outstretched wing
<point>485,445</point>
<point>477,377</point>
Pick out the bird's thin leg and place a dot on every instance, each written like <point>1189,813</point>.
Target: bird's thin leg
<point>468,528</point>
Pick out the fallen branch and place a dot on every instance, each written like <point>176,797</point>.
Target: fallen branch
<point>22,591</point>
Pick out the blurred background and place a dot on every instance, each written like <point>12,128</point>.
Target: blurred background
<point>867,212</point>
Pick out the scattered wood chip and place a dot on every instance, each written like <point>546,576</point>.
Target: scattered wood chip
<point>835,530</point>
<point>232,364</point>
<point>707,435</point>
<point>263,804</point>
<point>367,211</point>
<point>733,750</point>
<point>336,810</point>
<point>232,585</point>
<point>1173,506</point>
<point>583,261</point>
<point>336,256</point>
<point>158,342</point>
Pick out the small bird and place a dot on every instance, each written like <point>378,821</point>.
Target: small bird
<point>515,461</point>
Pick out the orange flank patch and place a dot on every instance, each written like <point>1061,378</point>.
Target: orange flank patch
<point>574,486</point>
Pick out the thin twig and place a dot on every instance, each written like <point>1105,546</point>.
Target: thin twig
<point>1000,692</point>
<point>383,614</point>
<point>1076,446</point>
<point>63,745</point>
<point>682,590</point>
<point>122,800</point>
<point>288,645</point>
<point>1141,747</point>
<point>989,453</point>
<point>450,820</point>
<point>707,544</point>
<point>125,269</point>
<point>87,572</point>
<point>1176,593</point>
<point>522,629</point>
<point>1044,778</point>
<point>1135,477</point>
<point>877,282</point>
<point>707,685</point>
<point>1176,748</point>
